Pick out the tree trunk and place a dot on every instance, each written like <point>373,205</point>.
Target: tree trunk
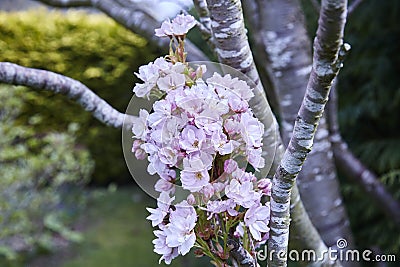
<point>282,37</point>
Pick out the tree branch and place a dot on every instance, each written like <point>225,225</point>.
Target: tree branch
<point>233,49</point>
<point>234,41</point>
<point>306,235</point>
<point>281,39</point>
<point>67,3</point>
<point>240,254</point>
<point>204,17</point>
<point>327,60</point>
<point>355,170</point>
<point>41,79</point>
<point>353,6</point>
<point>133,18</point>
<point>230,39</point>
<point>252,11</point>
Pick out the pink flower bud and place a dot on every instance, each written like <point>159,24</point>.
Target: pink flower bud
<point>208,191</point>
<point>265,186</point>
<point>191,200</point>
<point>140,154</point>
<point>230,166</point>
<point>136,145</point>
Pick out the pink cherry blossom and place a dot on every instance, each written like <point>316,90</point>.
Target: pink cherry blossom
<point>239,231</point>
<point>139,128</point>
<point>226,86</point>
<point>192,139</point>
<point>191,200</point>
<point>163,203</point>
<point>243,176</point>
<point>171,82</point>
<point>218,206</point>
<point>168,155</point>
<point>166,183</point>
<point>162,111</point>
<point>162,64</point>
<point>221,143</point>
<point>161,247</point>
<point>232,125</point>
<point>180,231</point>
<point>198,161</point>
<point>265,186</point>
<point>230,166</point>
<point>257,219</point>
<point>163,185</point>
<point>194,181</point>
<point>192,129</point>
<point>155,165</point>
<point>148,73</point>
<point>142,90</point>
<point>251,130</point>
<point>242,193</point>
<point>140,154</point>
<point>254,157</point>
<point>207,191</point>
<point>179,26</point>
<point>194,175</point>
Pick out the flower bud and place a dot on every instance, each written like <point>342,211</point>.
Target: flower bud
<point>265,186</point>
<point>208,191</point>
<point>140,154</point>
<point>230,166</point>
<point>191,200</point>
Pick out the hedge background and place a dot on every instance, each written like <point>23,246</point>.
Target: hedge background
<point>90,48</point>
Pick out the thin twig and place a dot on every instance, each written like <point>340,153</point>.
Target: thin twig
<point>353,6</point>
<point>204,17</point>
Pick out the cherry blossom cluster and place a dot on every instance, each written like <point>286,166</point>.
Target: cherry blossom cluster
<point>201,136</point>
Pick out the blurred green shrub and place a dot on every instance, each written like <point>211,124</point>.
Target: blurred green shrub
<point>90,48</point>
<point>40,175</point>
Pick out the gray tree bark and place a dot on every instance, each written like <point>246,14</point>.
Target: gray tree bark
<point>328,46</point>
<point>233,49</point>
<point>281,36</point>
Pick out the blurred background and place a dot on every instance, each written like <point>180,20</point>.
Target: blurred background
<point>66,196</point>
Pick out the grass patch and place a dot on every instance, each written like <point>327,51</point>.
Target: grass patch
<point>116,233</point>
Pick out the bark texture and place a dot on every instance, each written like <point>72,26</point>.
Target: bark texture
<point>327,60</point>
<point>40,79</point>
<point>282,38</point>
<point>204,17</point>
<point>233,49</point>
